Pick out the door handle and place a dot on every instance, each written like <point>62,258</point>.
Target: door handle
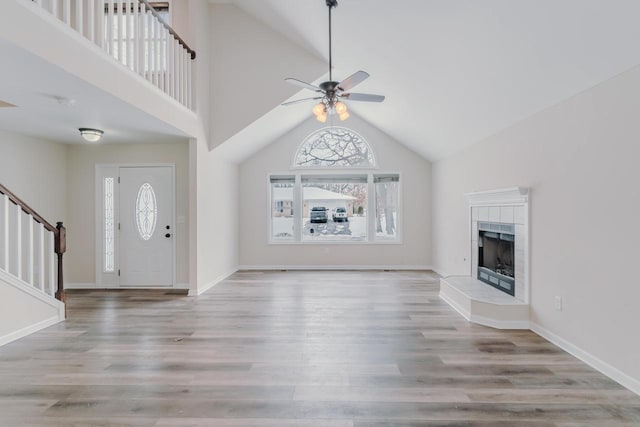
<point>167,235</point>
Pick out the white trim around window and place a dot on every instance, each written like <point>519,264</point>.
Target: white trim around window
<point>297,225</point>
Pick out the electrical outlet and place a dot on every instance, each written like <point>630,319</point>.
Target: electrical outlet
<point>557,302</point>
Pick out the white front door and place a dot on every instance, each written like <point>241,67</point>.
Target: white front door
<point>146,226</point>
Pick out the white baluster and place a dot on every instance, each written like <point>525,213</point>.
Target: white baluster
<point>128,16</point>
<point>180,74</point>
<point>176,70</point>
<point>152,48</point>
<point>54,7</point>
<point>19,241</point>
<point>30,250</point>
<point>41,258</point>
<point>184,76</point>
<point>91,21</point>
<point>121,33</point>
<point>189,88</point>
<point>79,17</point>
<point>110,37</point>
<point>170,61</point>
<point>5,232</point>
<point>66,11</point>
<point>52,264</point>
<point>161,62</point>
<point>138,40</point>
<point>100,38</point>
<point>164,57</point>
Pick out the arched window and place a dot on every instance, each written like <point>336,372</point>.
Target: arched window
<point>334,147</point>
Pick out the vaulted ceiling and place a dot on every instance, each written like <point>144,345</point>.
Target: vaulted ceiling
<point>457,71</point>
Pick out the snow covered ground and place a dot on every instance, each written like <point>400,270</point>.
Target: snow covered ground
<point>353,230</point>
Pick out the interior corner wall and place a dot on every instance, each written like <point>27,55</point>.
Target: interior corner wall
<point>217,217</point>
<point>80,181</point>
<point>247,74</point>
<point>35,170</point>
<point>580,160</point>
<point>415,249</point>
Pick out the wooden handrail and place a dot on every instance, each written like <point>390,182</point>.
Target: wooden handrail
<point>27,209</point>
<point>59,234</point>
<point>171,30</point>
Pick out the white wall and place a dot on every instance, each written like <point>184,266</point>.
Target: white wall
<point>80,181</point>
<point>35,170</point>
<point>23,311</point>
<point>217,239</point>
<point>415,249</point>
<point>580,159</point>
<point>213,180</point>
<point>249,63</point>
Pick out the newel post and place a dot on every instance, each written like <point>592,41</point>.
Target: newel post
<point>60,248</point>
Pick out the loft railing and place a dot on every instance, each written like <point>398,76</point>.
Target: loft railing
<point>31,249</point>
<point>134,33</point>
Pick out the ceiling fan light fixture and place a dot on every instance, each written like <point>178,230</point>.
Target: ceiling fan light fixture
<point>330,92</point>
<point>318,109</point>
<point>91,135</point>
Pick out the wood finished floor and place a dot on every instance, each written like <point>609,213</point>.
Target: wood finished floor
<point>296,349</point>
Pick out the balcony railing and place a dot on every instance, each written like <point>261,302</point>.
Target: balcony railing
<point>134,33</point>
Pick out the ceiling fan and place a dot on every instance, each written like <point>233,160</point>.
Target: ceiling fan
<point>330,93</point>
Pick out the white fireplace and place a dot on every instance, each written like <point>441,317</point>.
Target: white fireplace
<point>499,240</point>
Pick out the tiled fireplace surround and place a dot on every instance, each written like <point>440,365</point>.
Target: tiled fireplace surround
<point>513,215</point>
<point>506,206</point>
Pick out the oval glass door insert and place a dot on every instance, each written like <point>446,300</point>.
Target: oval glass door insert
<point>146,211</point>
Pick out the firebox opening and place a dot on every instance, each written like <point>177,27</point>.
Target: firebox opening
<point>496,256</point>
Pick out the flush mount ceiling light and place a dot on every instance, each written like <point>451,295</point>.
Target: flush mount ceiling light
<point>91,135</point>
<point>332,92</point>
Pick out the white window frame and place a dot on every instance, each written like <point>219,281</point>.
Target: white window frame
<point>298,203</point>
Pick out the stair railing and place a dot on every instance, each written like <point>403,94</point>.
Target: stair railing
<point>135,34</point>
<point>31,249</point>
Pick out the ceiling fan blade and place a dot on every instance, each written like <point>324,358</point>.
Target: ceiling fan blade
<point>366,97</point>
<point>353,80</point>
<point>302,84</point>
<point>297,101</point>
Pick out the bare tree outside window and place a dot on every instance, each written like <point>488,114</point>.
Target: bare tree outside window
<point>386,205</point>
<point>334,147</point>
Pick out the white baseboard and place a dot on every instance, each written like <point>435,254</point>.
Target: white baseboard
<point>79,285</point>
<point>335,267</point>
<point>457,307</point>
<point>591,360</point>
<point>6,339</point>
<point>212,283</point>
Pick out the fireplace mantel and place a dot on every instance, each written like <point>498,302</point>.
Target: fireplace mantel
<point>500,197</point>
